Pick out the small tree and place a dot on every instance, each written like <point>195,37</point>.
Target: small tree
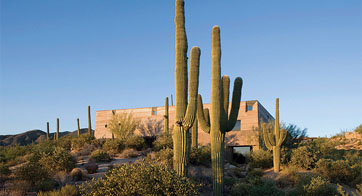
<point>123,125</point>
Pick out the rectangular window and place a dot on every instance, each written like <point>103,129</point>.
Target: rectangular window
<point>154,111</point>
<point>237,126</point>
<point>249,107</point>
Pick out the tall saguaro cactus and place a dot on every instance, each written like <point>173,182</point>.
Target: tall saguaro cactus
<point>166,116</point>
<point>47,130</point>
<point>89,121</point>
<point>57,136</point>
<point>273,140</point>
<point>185,112</point>
<point>78,127</point>
<point>220,122</point>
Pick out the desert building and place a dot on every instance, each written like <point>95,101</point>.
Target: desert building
<point>244,137</point>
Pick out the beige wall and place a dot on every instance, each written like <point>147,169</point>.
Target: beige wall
<point>246,136</point>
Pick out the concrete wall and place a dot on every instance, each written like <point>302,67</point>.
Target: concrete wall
<point>245,136</point>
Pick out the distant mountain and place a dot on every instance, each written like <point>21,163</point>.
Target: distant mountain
<point>33,136</point>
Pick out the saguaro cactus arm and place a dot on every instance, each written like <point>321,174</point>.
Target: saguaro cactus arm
<point>203,115</point>
<point>166,116</point>
<point>225,80</point>
<point>266,137</point>
<point>193,88</point>
<point>235,105</point>
<point>283,135</point>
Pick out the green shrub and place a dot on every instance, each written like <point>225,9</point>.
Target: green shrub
<point>58,160</point>
<point>319,187</point>
<point>311,185</point>
<point>67,190</point>
<point>140,179</point>
<point>339,171</point>
<point>164,157</point>
<point>4,169</point>
<point>65,142</point>
<point>135,142</point>
<point>254,177</point>
<point>358,190</point>
<point>201,155</point>
<point>261,159</point>
<point>113,146</point>
<point>100,156</point>
<point>98,143</point>
<point>358,129</point>
<point>303,157</point>
<point>163,140</point>
<point>8,153</point>
<point>266,188</point>
<point>36,175</point>
<point>79,142</point>
<point>289,177</point>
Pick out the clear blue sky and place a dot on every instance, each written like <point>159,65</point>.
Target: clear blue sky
<point>58,57</point>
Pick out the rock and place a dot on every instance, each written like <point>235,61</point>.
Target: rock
<point>91,168</point>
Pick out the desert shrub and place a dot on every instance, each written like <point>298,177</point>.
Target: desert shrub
<point>140,179</point>
<point>130,153</point>
<point>353,156</point>
<point>87,149</point>
<point>289,177</point>
<point>266,188</point>
<point>201,155</point>
<point>358,190</point>
<point>4,169</point>
<point>303,157</point>
<point>163,140</point>
<point>339,171</point>
<point>311,184</point>
<point>58,160</point>
<point>68,190</point>
<point>319,187</point>
<point>123,125</point>
<point>79,142</point>
<point>261,159</point>
<point>98,143</point>
<point>135,142</point>
<point>65,142</point>
<point>8,153</point>
<point>36,175</point>
<point>358,129</point>
<point>164,157</point>
<point>113,146</point>
<point>325,148</point>
<point>62,178</point>
<point>254,177</point>
<point>100,156</point>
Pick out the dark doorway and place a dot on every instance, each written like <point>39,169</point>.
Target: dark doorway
<point>240,153</point>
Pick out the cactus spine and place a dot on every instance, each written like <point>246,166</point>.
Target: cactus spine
<point>47,130</point>
<point>194,134</point>
<point>273,141</point>
<point>185,112</point>
<point>78,127</point>
<point>165,129</point>
<point>57,136</point>
<point>220,122</point>
<point>89,122</point>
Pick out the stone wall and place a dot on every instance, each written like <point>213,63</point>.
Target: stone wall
<point>245,135</point>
